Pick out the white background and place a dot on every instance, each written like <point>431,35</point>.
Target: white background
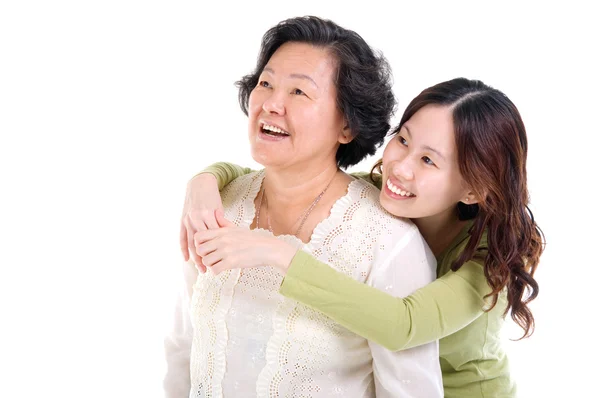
<point>107,108</point>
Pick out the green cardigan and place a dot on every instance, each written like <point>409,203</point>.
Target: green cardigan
<point>450,309</point>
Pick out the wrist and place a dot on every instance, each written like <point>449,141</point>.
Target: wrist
<point>200,183</point>
<point>282,257</point>
<point>202,178</point>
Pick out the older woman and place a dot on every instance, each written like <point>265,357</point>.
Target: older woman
<point>319,99</point>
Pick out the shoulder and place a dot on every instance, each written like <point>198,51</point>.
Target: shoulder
<point>238,198</point>
<point>365,188</point>
<point>474,265</point>
<point>368,196</point>
<point>243,186</point>
<point>481,250</point>
<point>247,180</point>
<point>393,236</point>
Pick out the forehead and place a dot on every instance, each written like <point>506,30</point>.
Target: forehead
<point>302,58</point>
<point>434,124</point>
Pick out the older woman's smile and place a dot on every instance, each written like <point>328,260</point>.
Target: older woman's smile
<point>272,132</point>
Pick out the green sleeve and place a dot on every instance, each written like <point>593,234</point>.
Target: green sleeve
<point>436,310</point>
<point>225,172</point>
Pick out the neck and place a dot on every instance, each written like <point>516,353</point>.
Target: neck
<point>286,188</point>
<point>440,230</point>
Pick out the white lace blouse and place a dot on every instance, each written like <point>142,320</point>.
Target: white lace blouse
<point>236,336</point>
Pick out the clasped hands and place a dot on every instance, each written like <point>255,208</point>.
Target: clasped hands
<point>218,244</point>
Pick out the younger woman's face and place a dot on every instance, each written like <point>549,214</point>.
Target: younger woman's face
<point>421,177</point>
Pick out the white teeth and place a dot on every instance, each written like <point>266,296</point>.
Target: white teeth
<point>397,190</point>
<point>274,129</point>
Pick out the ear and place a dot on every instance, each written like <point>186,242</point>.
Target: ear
<point>470,198</point>
<point>345,136</point>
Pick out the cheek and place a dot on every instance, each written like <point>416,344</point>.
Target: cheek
<point>255,102</point>
<point>454,185</point>
<point>386,154</point>
<point>311,114</point>
<point>439,189</point>
<point>314,123</point>
<point>392,153</point>
<point>323,113</point>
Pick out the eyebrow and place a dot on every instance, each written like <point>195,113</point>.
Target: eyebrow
<point>293,75</point>
<point>426,147</point>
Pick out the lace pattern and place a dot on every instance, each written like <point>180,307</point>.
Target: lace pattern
<point>250,341</point>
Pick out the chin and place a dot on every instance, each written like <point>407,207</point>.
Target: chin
<point>259,158</point>
<point>264,158</point>
<point>394,208</point>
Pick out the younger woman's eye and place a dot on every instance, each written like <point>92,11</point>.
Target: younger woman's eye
<point>402,140</point>
<point>428,161</point>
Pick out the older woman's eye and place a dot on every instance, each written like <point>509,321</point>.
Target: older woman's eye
<point>297,91</point>
<point>264,83</point>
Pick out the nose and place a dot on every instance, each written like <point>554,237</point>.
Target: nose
<point>404,169</point>
<point>274,104</point>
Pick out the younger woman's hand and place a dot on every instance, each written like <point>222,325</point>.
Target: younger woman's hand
<point>201,201</point>
<point>233,247</point>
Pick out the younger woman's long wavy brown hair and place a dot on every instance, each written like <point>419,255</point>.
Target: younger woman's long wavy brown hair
<point>492,154</point>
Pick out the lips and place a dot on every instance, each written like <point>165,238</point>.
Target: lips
<point>272,129</point>
<point>398,189</point>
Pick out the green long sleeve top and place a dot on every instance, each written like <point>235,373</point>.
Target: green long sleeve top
<point>450,309</point>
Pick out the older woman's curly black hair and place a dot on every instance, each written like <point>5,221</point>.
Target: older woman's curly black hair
<point>363,80</point>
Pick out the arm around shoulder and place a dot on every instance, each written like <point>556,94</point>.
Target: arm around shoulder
<point>433,311</point>
<point>225,172</point>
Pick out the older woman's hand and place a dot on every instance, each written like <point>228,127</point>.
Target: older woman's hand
<point>233,247</point>
<point>202,199</point>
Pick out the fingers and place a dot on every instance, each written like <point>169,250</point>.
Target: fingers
<point>211,221</point>
<point>194,221</point>
<point>199,219</point>
<point>227,261</point>
<point>211,259</point>
<point>221,220</point>
<point>204,236</point>
<point>183,241</point>
<point>206,248</point>
<point>201,267</point>
<point>203,219</point>
<point>221,266</point>
<point>191,247</point>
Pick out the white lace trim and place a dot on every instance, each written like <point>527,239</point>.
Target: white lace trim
<point>304,343</point>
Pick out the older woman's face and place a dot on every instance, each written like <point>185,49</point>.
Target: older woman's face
<point>293,116</point>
